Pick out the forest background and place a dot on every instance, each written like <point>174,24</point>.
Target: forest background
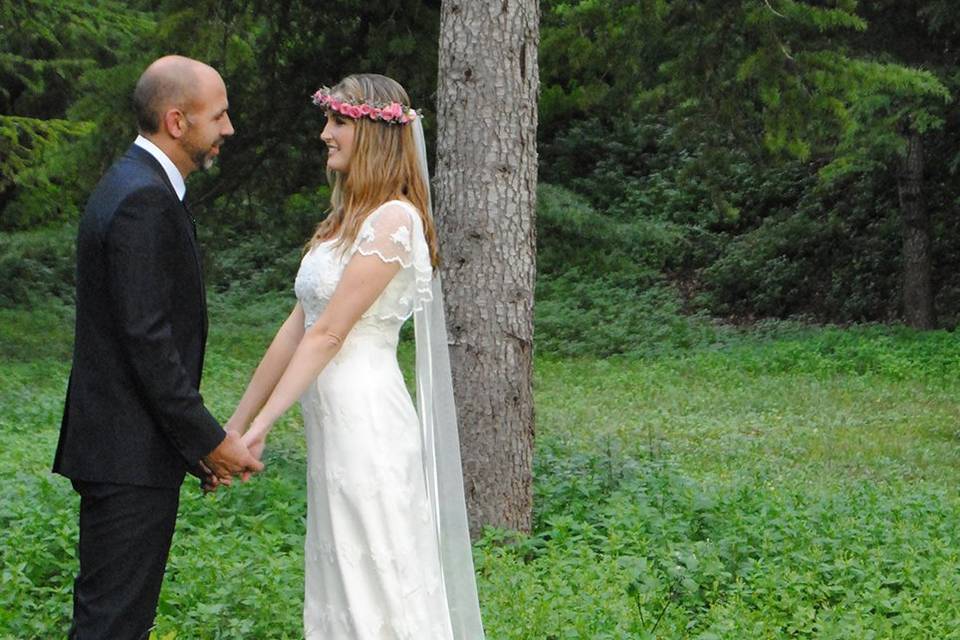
<point>741,205</point>
<point>698,160</point>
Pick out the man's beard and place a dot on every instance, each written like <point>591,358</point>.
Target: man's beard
<point>202,158</point>
<point>203,161</point>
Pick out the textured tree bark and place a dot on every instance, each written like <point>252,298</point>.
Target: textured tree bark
<point>918,309</point>
<point>486,177</point>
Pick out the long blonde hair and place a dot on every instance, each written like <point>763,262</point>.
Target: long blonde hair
<point>383,167</point>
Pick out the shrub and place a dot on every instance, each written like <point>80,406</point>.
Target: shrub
<point>600,289</point>
<point>579,314</point>
<point>37,265</point>
<point>812,262</point>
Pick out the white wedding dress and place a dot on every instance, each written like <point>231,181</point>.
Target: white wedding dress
<point>373,564</point>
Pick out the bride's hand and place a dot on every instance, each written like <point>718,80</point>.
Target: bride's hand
<point>255,441</point>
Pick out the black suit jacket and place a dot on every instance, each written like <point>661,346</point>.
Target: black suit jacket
<point>133,411</point>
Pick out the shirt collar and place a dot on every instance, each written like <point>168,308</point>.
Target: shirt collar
<point>176,179</point>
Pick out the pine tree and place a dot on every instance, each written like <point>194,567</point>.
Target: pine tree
<point>46,47</point>
<point>788,78</point>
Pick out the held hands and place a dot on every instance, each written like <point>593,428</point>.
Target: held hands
<point>255,441</point>
<point>253,436</point>
<point>230,458</point>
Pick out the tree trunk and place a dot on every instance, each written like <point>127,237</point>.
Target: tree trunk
<point>486,177</point>
<point>917,288</point>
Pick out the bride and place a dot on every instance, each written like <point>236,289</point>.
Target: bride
<point>387,547</point>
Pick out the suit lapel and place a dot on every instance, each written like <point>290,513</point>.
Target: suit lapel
<point>185,221</point>
<point>196,254</point>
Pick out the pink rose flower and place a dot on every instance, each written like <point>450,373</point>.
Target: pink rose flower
<point>366,109</point>
<point>354,112</point>
<point>377,113</point>
<point>393,111</point>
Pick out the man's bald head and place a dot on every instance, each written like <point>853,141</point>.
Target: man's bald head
<point>170,82</point>
<point>181,106</point>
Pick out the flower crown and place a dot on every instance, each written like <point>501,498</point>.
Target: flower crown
<point>391,113</point>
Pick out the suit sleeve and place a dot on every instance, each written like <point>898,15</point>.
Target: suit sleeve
<point>141,293</point>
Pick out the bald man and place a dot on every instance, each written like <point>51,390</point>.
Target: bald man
<point>134,422</point>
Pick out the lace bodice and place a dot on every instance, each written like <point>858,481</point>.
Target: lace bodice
<point>387,552</point>
<point>394,233</point>
<point>373,568</point>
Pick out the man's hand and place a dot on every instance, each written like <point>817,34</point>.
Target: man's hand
<point>231,458</point>
<point>208,481</point>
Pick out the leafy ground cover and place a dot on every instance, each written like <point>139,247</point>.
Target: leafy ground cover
<point>789,482</point>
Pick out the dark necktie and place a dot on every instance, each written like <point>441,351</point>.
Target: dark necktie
<point>193,221</point>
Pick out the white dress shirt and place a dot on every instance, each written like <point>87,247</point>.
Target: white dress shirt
<point>172,172</point>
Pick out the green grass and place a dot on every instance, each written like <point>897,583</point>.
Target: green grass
<point>790,482</point>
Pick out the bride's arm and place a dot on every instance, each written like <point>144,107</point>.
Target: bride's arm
<point>268,372</point>
<point>364,279</point>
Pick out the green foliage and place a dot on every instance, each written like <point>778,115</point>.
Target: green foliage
<point>793,482</point>
<point>266,257</point>
<point>566,221</point>
<point>47,48</point>
<point>253,265</point>
<point>739,159</point>
<point>823,256</point>
<point>44,172</point>
<point>813,93</point>
<point>883,102</point>
<point>595,56</point>
<point>23,140</point>
<point>721,117</point>
<point>599,288</point>
<point>891,354</point>
<point>37,266</point>
<point>579,314</point>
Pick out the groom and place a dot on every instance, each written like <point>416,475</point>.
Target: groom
<point>134,421</point>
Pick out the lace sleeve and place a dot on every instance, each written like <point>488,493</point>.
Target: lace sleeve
<point>394,233</point>
<point>388,234</point>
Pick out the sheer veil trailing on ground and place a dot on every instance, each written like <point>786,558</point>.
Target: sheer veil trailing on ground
<point>441,446</point>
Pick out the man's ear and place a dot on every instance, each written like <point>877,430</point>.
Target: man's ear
<point>175,122</point>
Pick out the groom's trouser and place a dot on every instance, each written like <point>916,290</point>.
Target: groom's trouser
<point>125,534</point>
